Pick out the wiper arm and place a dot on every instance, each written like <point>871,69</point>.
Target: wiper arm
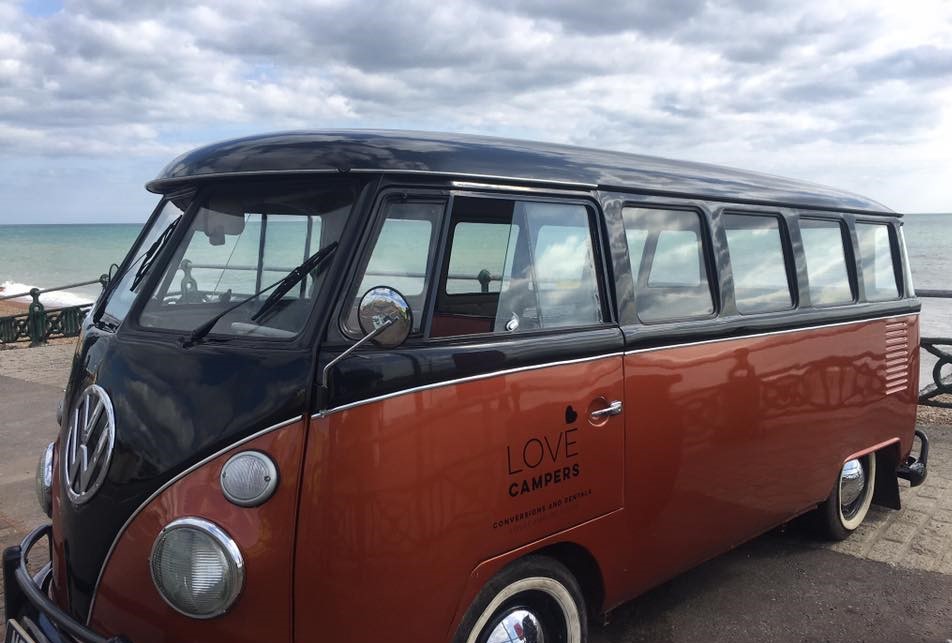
<point>293,278</point>
<point>314,262</point>
<point>153,252</point>
<point>146,258</point>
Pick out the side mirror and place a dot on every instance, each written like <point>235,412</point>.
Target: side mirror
<point>385,317</point>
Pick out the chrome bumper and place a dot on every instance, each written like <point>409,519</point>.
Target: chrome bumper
<point>25,596</point>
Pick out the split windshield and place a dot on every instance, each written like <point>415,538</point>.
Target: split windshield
<point>240,241</point>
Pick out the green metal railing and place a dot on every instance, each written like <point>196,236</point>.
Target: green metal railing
<point>939,391</point>
<point>38,324</point>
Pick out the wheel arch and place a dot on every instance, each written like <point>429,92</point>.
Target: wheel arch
<point>584,567</point>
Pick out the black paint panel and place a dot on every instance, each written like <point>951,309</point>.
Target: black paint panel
<point>474,156</point>
<point>173,407</point>
<point>373,372</point>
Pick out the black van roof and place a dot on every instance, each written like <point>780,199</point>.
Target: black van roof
<point>488,158</point>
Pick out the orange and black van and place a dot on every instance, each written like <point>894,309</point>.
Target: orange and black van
<point>384,386</point>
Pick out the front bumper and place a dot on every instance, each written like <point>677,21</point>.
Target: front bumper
<point>25,597</point>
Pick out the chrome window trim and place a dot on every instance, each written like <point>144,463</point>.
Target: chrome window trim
<point>520,369</point>
<point>169,483</point>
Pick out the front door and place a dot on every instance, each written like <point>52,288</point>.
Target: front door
<point>500,422</point>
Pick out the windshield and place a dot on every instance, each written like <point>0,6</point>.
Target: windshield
<point>243,239</point>
<point>129,282</point>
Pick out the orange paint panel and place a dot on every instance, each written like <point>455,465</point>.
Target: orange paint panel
<point>128,602</point>
<point>728,439</point>
<point>404,497</point>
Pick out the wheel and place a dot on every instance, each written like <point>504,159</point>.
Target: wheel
<point>850,499</point>
<point>534,600</point>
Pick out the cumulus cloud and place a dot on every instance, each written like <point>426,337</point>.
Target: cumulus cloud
<point>853,93</point>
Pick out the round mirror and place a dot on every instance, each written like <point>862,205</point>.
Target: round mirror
<point>379,305</point>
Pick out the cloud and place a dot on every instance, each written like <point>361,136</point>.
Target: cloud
<point>774,84</point>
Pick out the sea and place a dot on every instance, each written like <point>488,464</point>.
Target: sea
<point>48,256</point>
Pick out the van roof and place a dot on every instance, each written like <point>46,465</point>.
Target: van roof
<point>488,158</point>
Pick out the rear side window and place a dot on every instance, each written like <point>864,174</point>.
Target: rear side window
<point>825,252</point>
<point>755,245</point>
<point>666,251</point>
<point>401,258</point>
<point>875,250</point>
<point>517,265</point>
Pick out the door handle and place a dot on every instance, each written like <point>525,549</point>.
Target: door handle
<point>612,409</point>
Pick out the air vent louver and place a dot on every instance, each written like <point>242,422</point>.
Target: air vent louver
<point>897,356</point>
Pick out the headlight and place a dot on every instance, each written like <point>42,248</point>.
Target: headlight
<point>44,481</point>
<point>197,568</point>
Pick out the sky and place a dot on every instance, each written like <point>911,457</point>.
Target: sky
<point>96,96</point>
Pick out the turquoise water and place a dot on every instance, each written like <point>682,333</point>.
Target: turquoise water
<point>54,255</point>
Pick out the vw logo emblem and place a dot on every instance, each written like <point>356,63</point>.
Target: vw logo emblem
<point>89,444</point>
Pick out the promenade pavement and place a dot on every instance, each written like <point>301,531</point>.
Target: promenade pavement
<point>890,582</point>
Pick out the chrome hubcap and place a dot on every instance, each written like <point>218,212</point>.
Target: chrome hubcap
<point>518,626</point>
<point>852,484</point>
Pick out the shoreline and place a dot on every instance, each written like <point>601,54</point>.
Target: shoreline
<point>12,307</point>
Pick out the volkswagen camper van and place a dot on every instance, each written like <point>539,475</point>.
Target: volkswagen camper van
<point>386,386</point>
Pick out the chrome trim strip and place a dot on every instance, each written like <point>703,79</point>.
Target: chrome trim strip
<point>472,378</point>
<point>169,483</point>
<point>461,380</point>
<point>482,177</point>
<point>168,182</point>
<point>767,334</point>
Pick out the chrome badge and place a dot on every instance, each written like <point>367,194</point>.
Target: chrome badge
<point>89,444</point>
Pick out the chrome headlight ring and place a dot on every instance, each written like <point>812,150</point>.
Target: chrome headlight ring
<point>197,568</point>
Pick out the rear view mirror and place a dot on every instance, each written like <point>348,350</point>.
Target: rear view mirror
<point>218,224</point>
<point>385,317</point>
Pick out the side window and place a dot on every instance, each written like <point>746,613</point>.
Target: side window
<point>515,266</point>
<point>875,250</point>
<point>755,246</point>
<point>401,258</point>
<point>666,251</point>
<point>825,253</point>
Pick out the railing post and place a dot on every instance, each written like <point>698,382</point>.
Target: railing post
<point>484,278</point>
<point>36,321</point>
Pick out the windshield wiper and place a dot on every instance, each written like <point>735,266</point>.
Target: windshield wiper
<point>152,253</point>
<point>146,258</point>
<point>315,263</point>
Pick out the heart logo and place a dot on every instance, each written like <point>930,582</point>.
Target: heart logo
<point>570,414</point>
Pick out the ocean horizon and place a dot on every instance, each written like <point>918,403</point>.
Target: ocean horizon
<point>55,254</point>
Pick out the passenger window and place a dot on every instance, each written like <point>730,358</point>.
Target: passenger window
<point>755,246</point>
<point>401,258</point>
<point>515,266</point>
<point>825,253</point>
<point>875,249</point>
<point>667,262</point>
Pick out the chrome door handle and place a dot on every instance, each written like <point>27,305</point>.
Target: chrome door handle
<point>612,409</point>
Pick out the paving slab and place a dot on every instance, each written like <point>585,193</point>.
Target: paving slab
<point>779,588</point>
